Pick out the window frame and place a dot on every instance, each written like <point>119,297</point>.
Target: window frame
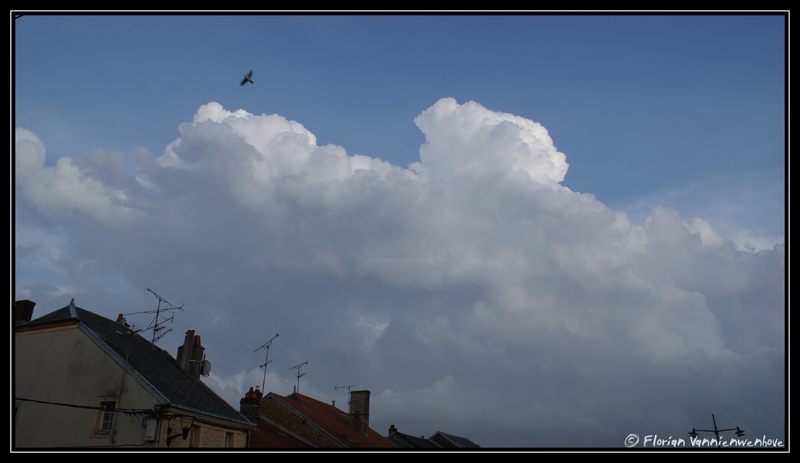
<point>106,417</point>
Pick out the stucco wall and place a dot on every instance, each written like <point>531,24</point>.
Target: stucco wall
<point>63,365</point>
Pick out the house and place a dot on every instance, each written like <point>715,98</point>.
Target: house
<point>84,381</point>
<point>438,440</point>
<point>268,435</point>
<point>303,422</point>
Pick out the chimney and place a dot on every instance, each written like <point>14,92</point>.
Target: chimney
<point>250,405</point>
<point>121,320</point>
<point>392,429</point>
<point>23,311</point>
<point>190,355</point>
<point>359,411</point>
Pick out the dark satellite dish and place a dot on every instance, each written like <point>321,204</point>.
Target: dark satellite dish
<point>206,368</point>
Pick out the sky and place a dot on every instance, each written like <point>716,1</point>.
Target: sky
<point>536,231</point>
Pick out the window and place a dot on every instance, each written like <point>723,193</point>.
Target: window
<point>194,437</point>
<point>105,417</point>
<point>108,416</point>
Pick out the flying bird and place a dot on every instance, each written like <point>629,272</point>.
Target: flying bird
<point>247,78</point>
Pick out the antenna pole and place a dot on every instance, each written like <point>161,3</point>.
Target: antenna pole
<point>266,360</point>
<point>157,324</point>
<point>299,374</point>
<point>336,388</point>
<point>158,312</point>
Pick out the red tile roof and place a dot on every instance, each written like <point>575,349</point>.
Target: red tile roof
<point>335,422</point>
<point>269,436</point>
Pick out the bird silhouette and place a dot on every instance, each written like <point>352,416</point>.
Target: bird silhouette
<point>247,78</point>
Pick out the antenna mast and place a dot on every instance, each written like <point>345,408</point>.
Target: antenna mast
<point>266,360</point>
<point>299,374</point>
<point>158,324</point>
<point>336,388</point>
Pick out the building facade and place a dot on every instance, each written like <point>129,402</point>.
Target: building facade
<point>84,381</point>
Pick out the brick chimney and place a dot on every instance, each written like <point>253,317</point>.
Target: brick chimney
<point>359,411</point>
<point>190,355</point>
<point>250,405</point>
<point>23,311</point>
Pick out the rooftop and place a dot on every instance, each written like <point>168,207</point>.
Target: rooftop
<point>154,367</point>
<point>331,420</point>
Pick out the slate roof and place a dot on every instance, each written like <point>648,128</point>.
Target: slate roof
<point>444,439</point>
<point>408,441</point>
<point>331,420</point>
<point>155,368</point>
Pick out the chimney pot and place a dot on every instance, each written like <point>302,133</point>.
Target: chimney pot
<point>121,320</point>
<point>250,405</point>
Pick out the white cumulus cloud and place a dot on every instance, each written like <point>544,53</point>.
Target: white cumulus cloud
<point>470,291</point>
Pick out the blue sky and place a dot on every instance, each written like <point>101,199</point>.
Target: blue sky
<point>660,120</point>
<point>641,105</point>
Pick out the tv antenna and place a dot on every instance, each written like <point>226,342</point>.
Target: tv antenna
<point>299,374</point>
<point>157,325</point>
<point>336,388</point>
<point>266,360</point>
